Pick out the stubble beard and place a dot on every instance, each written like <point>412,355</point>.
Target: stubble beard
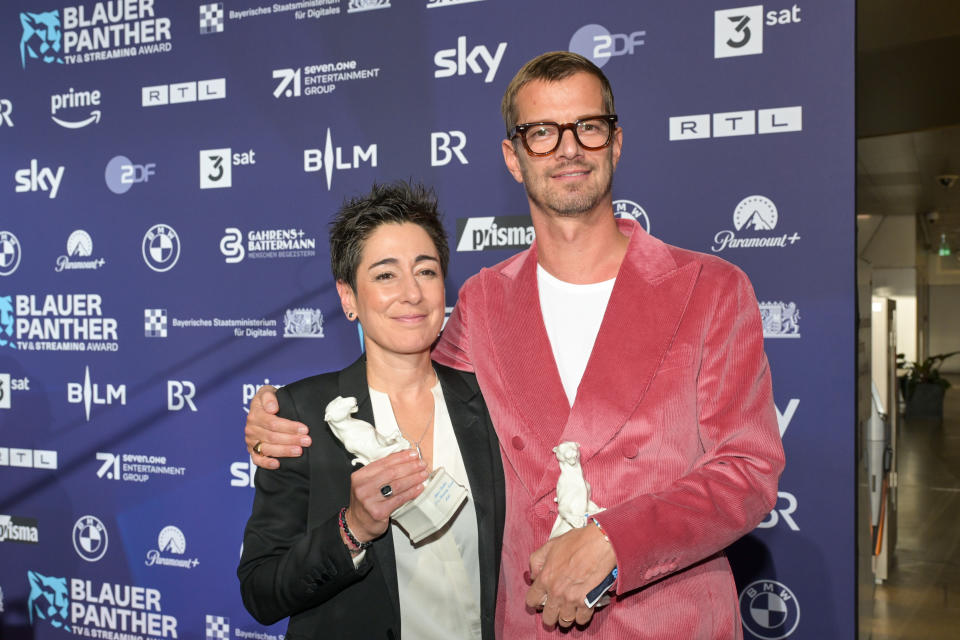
<point>564,201</point>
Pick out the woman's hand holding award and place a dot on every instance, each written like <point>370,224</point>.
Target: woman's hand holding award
<point>442,496</point>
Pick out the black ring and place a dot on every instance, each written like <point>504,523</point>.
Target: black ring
<point>386,491</point>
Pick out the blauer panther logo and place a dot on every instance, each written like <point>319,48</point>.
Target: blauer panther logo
<point>42,37</point>
<point>6,322</point>
<point>48,600</point>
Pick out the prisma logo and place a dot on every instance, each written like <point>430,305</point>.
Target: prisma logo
<point>595,42</point>
<point>444,145</point>
<point>121,174</point>
<point>36,179</point>
<point>330,158</point>
<point>456,62</point>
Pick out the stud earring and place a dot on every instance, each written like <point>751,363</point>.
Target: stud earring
<point>351,315</point>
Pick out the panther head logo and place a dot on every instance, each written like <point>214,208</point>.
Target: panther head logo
<point>48,599</point>
<point>6,322</point>
<point>42,37</point>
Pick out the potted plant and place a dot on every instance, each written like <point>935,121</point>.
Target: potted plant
<point>922,386</point>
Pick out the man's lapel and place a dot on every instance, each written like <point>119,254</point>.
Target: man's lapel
<point>640,322</point>
<point>528,371</point>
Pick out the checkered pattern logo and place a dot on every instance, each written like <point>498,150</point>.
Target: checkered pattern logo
<point>218,628</point>
<point>211,18</point>
<point>155,323</point>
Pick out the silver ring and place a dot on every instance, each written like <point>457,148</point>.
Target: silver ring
<point>386,491</point>
<point>258,448</point>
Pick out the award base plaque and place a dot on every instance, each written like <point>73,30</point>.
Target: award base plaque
<point>433,508</point>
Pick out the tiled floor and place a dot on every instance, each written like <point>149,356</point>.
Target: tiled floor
<point>921,598</point>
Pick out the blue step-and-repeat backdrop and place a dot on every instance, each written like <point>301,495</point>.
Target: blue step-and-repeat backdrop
<point>167,173</point>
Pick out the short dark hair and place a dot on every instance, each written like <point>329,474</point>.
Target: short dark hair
<point>552,67</point>
<point>394,203</point>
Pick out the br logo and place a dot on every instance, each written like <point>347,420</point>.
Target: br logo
<point>42,37</point>
<point>48,600</point>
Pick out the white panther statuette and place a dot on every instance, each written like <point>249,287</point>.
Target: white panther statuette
<point>358,437</point>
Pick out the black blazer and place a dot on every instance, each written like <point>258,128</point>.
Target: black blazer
<point>294,562</point>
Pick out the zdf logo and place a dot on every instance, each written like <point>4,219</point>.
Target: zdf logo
<point>121,174</point>
<point>444,145</point>
<point>595,42</point>
<point>457,62</point>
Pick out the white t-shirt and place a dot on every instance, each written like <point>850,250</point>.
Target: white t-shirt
<point>439,578</point>
<point>572,314</point>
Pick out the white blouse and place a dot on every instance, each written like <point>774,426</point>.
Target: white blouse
<point>439,578</point>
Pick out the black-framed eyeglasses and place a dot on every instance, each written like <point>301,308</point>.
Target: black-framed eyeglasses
<point>543,138</point>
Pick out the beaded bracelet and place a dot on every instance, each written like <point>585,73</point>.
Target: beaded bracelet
<point>360,546</point>
<point>602,532</point>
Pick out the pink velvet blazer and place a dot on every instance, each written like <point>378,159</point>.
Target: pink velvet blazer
<point>674,416</point>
